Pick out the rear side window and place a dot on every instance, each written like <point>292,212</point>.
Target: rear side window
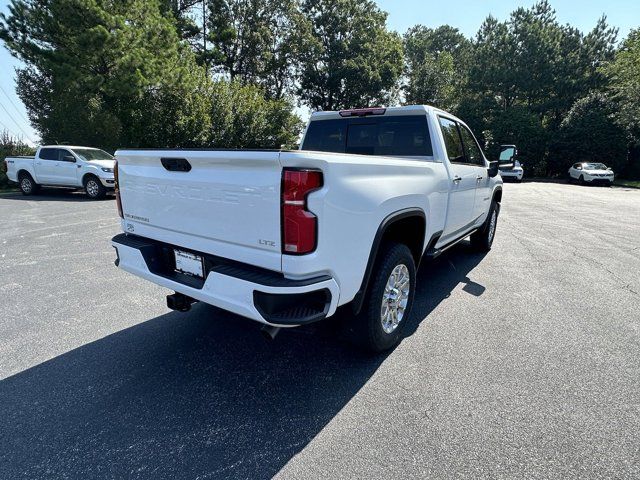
<point>49,153</point>
<point>452,141</point>
<point>391,136</point>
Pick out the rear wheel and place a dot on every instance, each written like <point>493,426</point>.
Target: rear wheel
<point>27,185</point>
<point>94,188</point>
<point>387,305</point>
<point>483,238</point>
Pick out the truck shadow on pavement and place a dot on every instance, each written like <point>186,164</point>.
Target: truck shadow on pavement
<point>189,395</point>
<point>437,279</point>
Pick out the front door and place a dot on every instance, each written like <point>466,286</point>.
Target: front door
<point>476,158</point>
<point>464,181</point>
<point>67,168</point>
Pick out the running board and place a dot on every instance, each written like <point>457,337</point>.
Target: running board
<point>434,253</point>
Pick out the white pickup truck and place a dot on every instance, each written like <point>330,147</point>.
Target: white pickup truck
<point>63,166</point>
<point>287,237</point>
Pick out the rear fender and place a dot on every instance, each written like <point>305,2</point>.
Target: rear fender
<point>384,227</point>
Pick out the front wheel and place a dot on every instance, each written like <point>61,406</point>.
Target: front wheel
<point>483,238</point>
<point>94,188</point>
<point>581,180</point>
<point>387,305</point>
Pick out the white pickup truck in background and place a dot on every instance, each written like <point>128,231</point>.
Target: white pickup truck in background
<point>63,166</point>
<point>287,237</point>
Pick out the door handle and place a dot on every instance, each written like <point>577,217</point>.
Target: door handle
<point>479,177</point>
<point>38,163</point>
<point>457,179</point>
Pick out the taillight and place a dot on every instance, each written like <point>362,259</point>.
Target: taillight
<point>299,226</point>
<point>117,189</point>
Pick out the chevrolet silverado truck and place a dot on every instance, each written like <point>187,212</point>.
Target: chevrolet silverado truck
<point>63,166</point>
<point>286,237</point>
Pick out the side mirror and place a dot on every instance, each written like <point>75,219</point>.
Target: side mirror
<point>507,156</point>
<point>493,168</point>
<point>69,158</point>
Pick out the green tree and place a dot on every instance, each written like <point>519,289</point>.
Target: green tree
<point>105,73</point>
<point>589,134</point>
<point>433,83</point>
<point>348,58</point>
<point>624,75</point>
<point>436,66</point>
<point>254,41</point>
<point>10,146</point>
<point>241,117</point>
<point>533,63</point>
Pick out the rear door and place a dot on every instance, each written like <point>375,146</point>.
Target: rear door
<point>225,203</point>
<point>464,181</point>
<point>45,165</point>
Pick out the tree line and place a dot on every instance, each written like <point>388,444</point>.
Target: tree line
<point>229,73</point>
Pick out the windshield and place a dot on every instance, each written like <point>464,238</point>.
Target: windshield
<point>595,166</point>
<point>88,154</point>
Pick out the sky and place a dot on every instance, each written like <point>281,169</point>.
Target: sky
<point>466,15</point>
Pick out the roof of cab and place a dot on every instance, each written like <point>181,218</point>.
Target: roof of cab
<point>68,146</point>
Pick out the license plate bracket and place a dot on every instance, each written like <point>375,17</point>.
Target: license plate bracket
<point>189,263</point>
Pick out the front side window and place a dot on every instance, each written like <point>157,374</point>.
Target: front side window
<point>452,141</point>
<point>67,154</point>
<point>471,148</point>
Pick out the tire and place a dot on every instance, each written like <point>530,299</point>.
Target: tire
<point>94,188</point>
<point>483,238</point>
<point>373,329</point>
<point>518,180</point>
<point>27,185</point>
<point>581,180</point>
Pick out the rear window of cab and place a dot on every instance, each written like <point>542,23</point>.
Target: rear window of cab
<point>406,135</point>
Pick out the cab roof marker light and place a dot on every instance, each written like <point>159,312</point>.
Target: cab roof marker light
<point>362,112</point>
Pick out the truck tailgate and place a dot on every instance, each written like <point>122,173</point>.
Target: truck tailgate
<point>225,203</point>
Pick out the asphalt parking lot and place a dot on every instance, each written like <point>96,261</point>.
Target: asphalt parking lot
<point>524,363</point>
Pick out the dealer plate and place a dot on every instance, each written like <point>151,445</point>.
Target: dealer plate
<point>189,263</point>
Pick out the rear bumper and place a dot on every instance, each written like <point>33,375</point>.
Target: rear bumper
<point>258,294</point>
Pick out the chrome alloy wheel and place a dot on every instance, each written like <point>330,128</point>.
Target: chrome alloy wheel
<point>395,298</point>
<point>492,225</point>
<point>92,188</point>
<point>25,185</point>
